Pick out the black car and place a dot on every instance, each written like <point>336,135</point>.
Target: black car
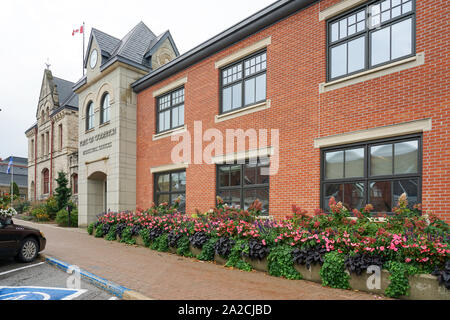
<point>21,242</point>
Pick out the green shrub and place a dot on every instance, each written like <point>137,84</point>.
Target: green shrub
<point>333,271</point>
<point>183,247</point>
<point>161,244</point>
<point>280,263</point>
<point>99,231</point>
<point>62,218</point>
<point>127,237</point>
<point>208,250</point>
<point>90,228</point>
<point>111,236</point>
<point>21,206</point>
<point>144,233</point>
<point>399,279</point>
<point>235,259</point>
<point>51,207</point>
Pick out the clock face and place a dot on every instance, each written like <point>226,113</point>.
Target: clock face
<point>94,57</point>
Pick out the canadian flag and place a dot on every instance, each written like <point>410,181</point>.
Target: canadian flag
<point>78,31</point>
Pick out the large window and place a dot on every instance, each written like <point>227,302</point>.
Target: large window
<point>239,185</point>
<point>377,33</point>
<point>45,182</point>
<point>105,109</point>
<point>90,116</point>
<point>170,112</point>
<point>244,83</point>
<point>378,173</point>
<point>169,187</point>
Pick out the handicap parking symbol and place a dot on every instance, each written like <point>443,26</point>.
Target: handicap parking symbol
<point>39,293</point>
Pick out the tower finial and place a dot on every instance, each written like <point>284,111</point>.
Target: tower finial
<point>48,65</point>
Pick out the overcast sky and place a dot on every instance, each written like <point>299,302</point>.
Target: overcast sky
<point>36,30</point>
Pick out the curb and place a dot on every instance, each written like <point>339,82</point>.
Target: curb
<point>115,289</point>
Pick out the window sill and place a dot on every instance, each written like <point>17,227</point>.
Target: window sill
<point>89,131</point>
<point>169,133</point>
<point>244,111</point>
<point>104,124</point>
<point>417,60</point>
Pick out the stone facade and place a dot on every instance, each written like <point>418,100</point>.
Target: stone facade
<point>53,140</point>
<point>107,151</point>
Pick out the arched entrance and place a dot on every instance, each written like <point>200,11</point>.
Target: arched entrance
<point>97,200</point>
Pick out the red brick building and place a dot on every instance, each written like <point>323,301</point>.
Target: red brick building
<point>357,89</point>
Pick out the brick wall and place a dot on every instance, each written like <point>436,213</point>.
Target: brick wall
<point>296,66</point>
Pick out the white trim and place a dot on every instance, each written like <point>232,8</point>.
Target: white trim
<point>169,167</point>
<point>243,52</point>
<point>339,8</point>
<point>171,86</point>
<point>243,155</point>
<point>170,133</point>
<point>417,60</point>
<point>375,133</point>
<point>242,112</point>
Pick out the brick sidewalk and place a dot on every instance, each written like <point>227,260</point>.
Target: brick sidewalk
<point>170,277</point>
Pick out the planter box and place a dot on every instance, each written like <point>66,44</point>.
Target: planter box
<point>195,251</point>
<point>426,287</point>
<point>260,265</point>
<point>139,241</point>
<point>173,250</point>
<point>363,282</point>
<point>311,273</point>
<point>220,260</point>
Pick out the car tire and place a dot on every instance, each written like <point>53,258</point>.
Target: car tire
<point>29,249</point>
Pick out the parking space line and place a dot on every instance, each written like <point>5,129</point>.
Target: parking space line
<point>22,268</point>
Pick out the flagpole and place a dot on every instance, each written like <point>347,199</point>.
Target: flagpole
<point>12,181</point>
<point>84,31</point>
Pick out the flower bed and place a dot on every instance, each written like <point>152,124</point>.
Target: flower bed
<point>334,248</point>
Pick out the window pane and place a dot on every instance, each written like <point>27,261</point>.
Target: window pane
<point>334,32</point>
<point>385,5</point>
<point>354,196</point>
<point>407,7</point>
<point>410,187</point>
<point>250,91</point>
<point>356,54</point>
<point>235,172</point>
<point>406,157</point>
<point>343,28</point>
<point>237,96</point>
<point>361,26</point>
<point>182,197</point>
<point>396,12</point>
<point>224,176</point>
<point>402,39</point>
<point>261,87</point>
<point>361,16</point>
<point>339,60</point>
<point>263,196</point>
<point>380,46</point>
<point>163,183</point>
<point>166,120</point>
<point>395,2</point>
<point>175,117</point>
<point>380,196</point>
<point>162,198</point>
<point>334,165</point>
<point>381,160</point>
<point>333,190</point>
<point>235,198</point>
<point>178,181</point>
<point>249,198</point>
<point>354,163</point>
<point>225,195</point>
<point>260,177</point>
<point>250,175</point>
<point>226,99</point>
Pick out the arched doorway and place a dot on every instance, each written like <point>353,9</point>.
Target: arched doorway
<point>97,200</point>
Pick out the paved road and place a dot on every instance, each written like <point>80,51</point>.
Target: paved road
<point>170,277</point>
<point>42,278</point>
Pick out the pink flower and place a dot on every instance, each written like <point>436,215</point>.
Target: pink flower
<point>381,248</point>
<point>407,260</point>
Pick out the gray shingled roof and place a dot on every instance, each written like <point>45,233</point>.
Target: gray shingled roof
<point>132,48</point>
<point>66,95</point>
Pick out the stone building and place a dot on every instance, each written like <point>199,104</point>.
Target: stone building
<point>53,139</point>
<point>20,169</point>
<point>107,119</point>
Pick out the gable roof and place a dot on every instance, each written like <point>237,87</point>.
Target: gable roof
<point>133,49</point>
<point>66,95</point>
